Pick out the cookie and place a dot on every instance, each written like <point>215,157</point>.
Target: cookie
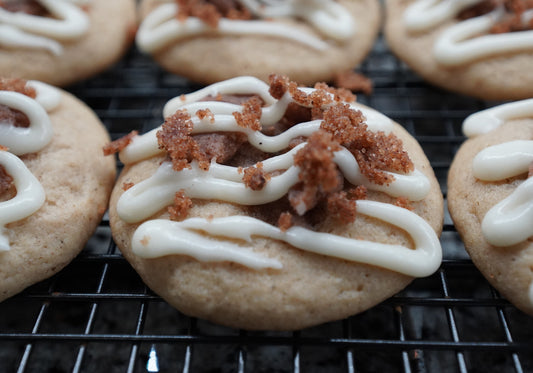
<point>308,41</point>
<point>63,41</point>
<point>54,181</point>
<point>250,213</point>
<point>489,198</point>
<point>475,47</point>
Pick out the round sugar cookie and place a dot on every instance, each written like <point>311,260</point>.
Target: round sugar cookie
<point>308,41</point>
<point>489,195</point>
<point>260,233</point>
<point>54,182</point>
<point>64,41</point>
<point>449,43</point>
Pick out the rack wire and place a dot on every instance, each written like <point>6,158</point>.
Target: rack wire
<point>96,315</point>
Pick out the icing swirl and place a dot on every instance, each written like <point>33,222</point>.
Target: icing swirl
<point>30,194</point>
<point>161,28</point>
<point>155,238</point>
<point>68,22</point>
<point>511,220</point>
<point>468,40</point>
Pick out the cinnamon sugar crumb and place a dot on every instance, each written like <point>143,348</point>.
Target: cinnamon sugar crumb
<point>13,117</point>
<point>250,115</point>
<point>354,81</point>
<point>285,221</point>
<point>318,172</point>
<point>119,144</point>
<point>255,178</point>
<point>206,113</point>
<point>3,148</point>
<point>17,85</point>
<point>341,207</point>
<point>175,137</point>
<point>126,186</point>
<point>180,209</point>
<point>359,192</point>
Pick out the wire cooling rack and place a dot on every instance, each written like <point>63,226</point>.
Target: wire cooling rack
<point>97,316</point>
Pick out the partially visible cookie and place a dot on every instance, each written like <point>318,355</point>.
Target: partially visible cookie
<point>54,181</point>
<point>475,47</point>
<point>63,41</point>
<point>490,198</point>
<point>275,207</point>
<point>308,41</point>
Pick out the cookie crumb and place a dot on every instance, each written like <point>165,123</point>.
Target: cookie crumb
<point>250,115</point>
<point>285,221</point>
<point>180,209</point>
<point>119,144</point>
<point>254,177</point>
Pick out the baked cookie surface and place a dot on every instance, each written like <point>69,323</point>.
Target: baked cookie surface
<point>489,198</point>
<point>465,46</point>
<point>308,41</point>
<point>54,183</point>
<point>64,41</point>
<point>249,241</point>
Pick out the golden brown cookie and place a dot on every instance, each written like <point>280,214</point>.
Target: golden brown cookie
<point>275,207</point>
<point>63,41</point>
<point>54,181</point>
<point>308,41</point>
<point>474,47</point>
<point>489,198</point>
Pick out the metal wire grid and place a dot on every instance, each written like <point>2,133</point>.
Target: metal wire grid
<point>96,315</point>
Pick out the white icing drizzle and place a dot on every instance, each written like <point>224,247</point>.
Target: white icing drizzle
<point>467,40</point>
<point>511,220</point>
<point>161,28</point>
<point>486,120</point>
<point>146,146</point>
<point>23,140</point>
<point>29,198</point>
<point>69,22</point>
<point>225,183</point>
<point>156,238</point>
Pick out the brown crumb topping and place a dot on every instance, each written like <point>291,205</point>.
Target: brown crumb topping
<point>119,144</point>
<point>318,172</point>
<point>254,177</point>
<point>175,137</point>
<point>180,209</point>
<point>250,115</point>
<point>206,113</point>
<point>211,11</point>
<point>511,22</point>
<point>17,85</point>
<point>354,82</point>
<point>127,185</point>
<point>285,221</point>
<point>341,207</point>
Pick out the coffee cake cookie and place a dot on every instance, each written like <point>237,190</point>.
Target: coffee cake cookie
<point>63,41</point>
<point>307,40</point>
<point>275,207</point>
<point>481,48</point>
<point>489,198</point>
<point>54,181</point>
